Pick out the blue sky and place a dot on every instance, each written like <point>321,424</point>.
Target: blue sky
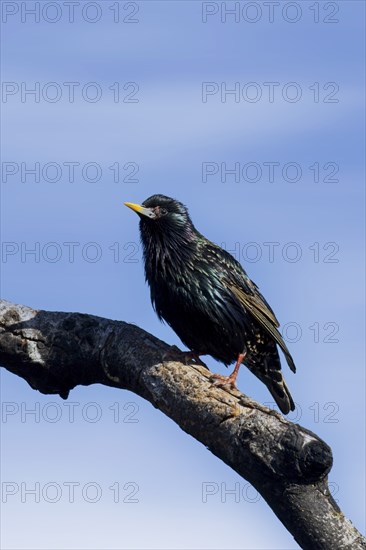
<point>162,134</point>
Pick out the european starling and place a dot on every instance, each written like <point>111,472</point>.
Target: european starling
<point>205,295</point>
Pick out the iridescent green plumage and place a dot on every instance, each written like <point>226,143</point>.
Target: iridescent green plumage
<point>204,294</point>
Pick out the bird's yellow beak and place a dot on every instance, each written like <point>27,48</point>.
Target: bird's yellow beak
<point>148,212</point>
<point>135,207</point>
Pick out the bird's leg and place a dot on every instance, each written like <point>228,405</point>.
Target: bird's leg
<point>220,380</point>
<point>175,354</point>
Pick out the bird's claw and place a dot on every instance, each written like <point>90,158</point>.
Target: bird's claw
<point>186,357</point>
<point>222,381</point>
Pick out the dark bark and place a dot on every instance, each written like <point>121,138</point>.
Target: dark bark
<point>287,464</point>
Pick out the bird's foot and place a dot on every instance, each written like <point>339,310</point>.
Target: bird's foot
<point>186,357</point>
<point>222,381</point>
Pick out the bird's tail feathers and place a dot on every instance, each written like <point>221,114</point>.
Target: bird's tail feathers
<point>281,395</point>
<point>269,372</point>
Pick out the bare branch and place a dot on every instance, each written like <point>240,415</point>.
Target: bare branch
<point>287,464</point>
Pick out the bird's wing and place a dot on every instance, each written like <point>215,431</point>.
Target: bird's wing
<point>247,293</point>
<point>265,317</point>
<point>259,301</point>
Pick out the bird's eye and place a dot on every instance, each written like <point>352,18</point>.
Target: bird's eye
<point>163,211</point>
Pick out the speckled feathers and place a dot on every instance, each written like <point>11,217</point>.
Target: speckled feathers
<point>204,294</point>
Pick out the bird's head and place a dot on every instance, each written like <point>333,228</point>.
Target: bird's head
<point>167,234</point>
<point>164,218</point>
